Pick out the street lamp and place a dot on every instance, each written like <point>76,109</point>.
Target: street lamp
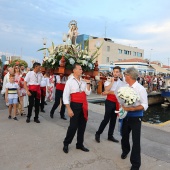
<point>168,64</point>
<point>150,54</point>
<point>44,44</point>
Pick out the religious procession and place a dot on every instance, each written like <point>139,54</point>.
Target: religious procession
<point>65,79</point>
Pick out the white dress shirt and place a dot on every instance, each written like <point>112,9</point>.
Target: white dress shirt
<point>33,78</point>
<point>74,86</point>
<point>44,82</point>
<point>116,85</point>
<point>141,91</point>
<point>5,81</point>
<point>59,80</point>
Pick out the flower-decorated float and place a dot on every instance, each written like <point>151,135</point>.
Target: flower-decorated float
<point>61,58</point>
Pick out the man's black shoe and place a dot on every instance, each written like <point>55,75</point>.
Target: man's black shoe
<point>43,111</point>
<point>65,148</point>
<point>132,168</point>
<point>123,156</point>
<point>28,120</point>
<point>45,103</point>
<point>82,148</point>
<point>64,118</point>
<point>15,118</point>
<point>113,139</point>
<point>36,120</point>
<point>51,115</point>
<point>97,138</point>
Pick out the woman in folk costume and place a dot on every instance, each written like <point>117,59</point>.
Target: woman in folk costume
<point>18,76</point>
<point>50,89</point>
<point>22,92</point>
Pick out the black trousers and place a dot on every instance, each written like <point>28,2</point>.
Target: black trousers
<point>58,97</point>
<point>77,123</point>
<point>132,124</point>
<point>42,100</point>
<point>33,101</point>
<point>111,116</point>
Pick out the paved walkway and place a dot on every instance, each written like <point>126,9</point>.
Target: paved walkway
<point>39,146</point>
<point>2,103</point>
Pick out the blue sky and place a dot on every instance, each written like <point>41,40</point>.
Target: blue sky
<point>140,23</point>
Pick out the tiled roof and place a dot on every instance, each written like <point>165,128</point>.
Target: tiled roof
<point>132,60</point>
<point>164,66</point>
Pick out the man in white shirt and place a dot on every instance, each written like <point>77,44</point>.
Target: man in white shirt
<point>22,69</point>
<point>111,105</point>
<point>44,83</point>
<point>74,97</point>
<point>32,87</point>
<point>154,83</point>
<point>60,84</point>
<point>132,121</point>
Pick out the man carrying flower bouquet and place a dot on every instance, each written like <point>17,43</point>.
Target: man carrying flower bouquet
<point>74,97</point>
<point>132,121</point>
<point>111,105</point>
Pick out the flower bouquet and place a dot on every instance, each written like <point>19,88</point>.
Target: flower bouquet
<point>128,97</point>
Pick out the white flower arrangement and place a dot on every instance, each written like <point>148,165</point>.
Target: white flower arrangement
<point>128,96</point>
<point>72,61</point>
<point>72,54</point>
<point>90,65</point>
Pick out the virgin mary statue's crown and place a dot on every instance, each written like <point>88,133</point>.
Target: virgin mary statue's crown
<point>72,22</point>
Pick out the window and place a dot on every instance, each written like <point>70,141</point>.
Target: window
<point>127,52</point>
<point>134,53</point>
<point>108,48</point>
<point>139,54</point>
<point>107,59</point>
<point>120,51</point>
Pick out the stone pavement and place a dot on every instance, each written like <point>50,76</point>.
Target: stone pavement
<point>2,103</point>
<point>39,146</point>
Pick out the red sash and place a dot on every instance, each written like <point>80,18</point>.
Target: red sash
<point>35,88</point>
<point>21,82</point>
<point>43,91</point>
<point>81,98</point>
<point>60,86</point>
<point>113,98</point>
